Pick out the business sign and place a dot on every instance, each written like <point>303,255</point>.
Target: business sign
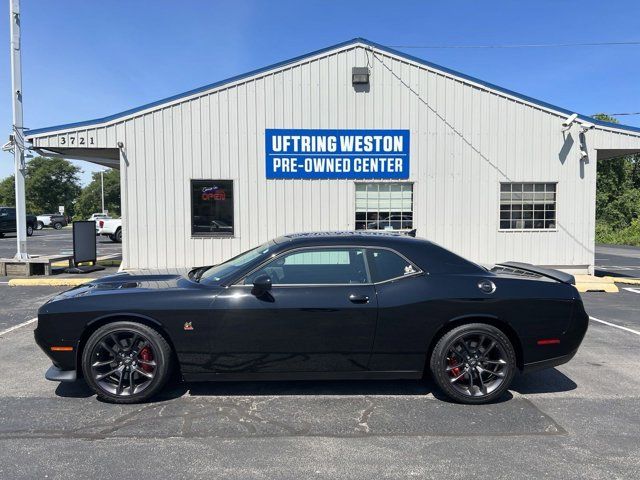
<point>338,154</point>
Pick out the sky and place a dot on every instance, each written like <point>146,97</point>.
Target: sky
<point>88,59</point>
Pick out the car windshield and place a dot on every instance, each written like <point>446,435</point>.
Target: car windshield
<point>215,274</point>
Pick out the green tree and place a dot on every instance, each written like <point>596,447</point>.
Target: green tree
<point>7,192</point>
<point>617,196</point>
<point>90,200</point>
<point>49,183</point>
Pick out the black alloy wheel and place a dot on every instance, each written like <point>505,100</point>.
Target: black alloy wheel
<point>126,362</point>
<point>473,363</point>
<point>57,225</point>
<point>29,230</point>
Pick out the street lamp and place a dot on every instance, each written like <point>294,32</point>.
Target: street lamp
<point>102,187</point>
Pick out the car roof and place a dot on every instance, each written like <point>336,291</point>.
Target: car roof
<point>348,237</point>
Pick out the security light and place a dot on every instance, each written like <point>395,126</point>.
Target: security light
<point>569,121</point>
<point>360,75</point>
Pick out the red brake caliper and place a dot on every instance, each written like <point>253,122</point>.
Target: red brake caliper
<point>146,355</point>
<point>454,372</point>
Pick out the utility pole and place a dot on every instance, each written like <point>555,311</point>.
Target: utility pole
<point>102,187</point>
<point>18,129</point>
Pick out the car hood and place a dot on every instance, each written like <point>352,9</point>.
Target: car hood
<point>126,283</point>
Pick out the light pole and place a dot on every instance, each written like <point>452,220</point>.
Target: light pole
<point>102,187</point>
<point>18,129</point>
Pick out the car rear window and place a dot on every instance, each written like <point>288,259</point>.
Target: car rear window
<point>386,265</point>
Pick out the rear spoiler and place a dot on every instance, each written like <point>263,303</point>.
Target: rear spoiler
<point>545,272</point>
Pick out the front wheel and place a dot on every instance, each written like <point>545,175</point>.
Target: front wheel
<point>126,362</point>
<point>473,363</point>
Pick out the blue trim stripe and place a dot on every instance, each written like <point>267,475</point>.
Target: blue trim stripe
<point>98,121</point>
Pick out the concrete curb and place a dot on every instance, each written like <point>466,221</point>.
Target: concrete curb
<point>626,281</point>
<point>49,282</point>
<point>589,283</point>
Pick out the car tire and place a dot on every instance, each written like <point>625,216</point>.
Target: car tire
<point>29,230</point>
<point>108,388</point>
<point>39,225</point>
<point>482,351</point>
<point>118,236</point>
<point>57,225</point>
<point>112,237</point>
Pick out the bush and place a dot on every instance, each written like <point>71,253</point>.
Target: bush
<point>629,235</point>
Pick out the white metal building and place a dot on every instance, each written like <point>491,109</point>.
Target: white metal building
<point>312,144</point>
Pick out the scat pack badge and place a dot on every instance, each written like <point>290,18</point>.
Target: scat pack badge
<point>188,326</point>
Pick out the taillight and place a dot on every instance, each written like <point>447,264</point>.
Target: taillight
<point>101,223</point>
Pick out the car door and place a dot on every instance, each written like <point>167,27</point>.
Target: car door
<point>8,220</point>
<point>405,308</point>
<point>3,219</point>
<point>319,316</point>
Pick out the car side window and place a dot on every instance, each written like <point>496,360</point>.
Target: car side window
<point>315,266</point>
<point>386,265</point>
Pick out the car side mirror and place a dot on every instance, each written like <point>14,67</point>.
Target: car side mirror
<point>261,285</point>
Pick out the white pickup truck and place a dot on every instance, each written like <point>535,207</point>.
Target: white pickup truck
<point>110,227</point>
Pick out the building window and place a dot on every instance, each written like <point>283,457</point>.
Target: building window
<point>384,206</point>
<point>527,206</point>
<point>212,208</point>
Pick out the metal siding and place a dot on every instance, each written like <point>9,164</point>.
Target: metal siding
<point>219,134</point>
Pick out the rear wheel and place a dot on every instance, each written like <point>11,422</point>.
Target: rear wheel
<point>29,230</point>
<point>473,363</point>
<point>40,225</point>
<point>126,362</point>
<point>118,236</point>
<point>57,225</point>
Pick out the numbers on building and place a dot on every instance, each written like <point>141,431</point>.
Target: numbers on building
<point>71,140</point>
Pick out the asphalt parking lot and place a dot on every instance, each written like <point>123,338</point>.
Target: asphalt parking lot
<point>53,242</point>
<point>580,420</point>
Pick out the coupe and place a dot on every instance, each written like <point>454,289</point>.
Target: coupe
<point>341,305</point>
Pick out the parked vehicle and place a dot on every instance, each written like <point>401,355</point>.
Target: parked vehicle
<point>98,216</point>
<point>8,221</point>
<point>53,220</point>
<point>317,306</point>
<point>111,228</point>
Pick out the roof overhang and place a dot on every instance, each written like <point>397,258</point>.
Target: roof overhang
<point>33,134</point>
<point>106,157</point>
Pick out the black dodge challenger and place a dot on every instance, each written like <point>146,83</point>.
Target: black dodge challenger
<point>343,305</point>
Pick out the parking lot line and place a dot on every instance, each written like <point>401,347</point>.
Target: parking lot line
<point>614,325</point>
<point>20,325</point>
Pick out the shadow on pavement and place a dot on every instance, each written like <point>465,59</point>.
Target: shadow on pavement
<point>605,273</point>
<point>543,381</point>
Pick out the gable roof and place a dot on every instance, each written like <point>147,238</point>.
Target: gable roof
<point>355,41</point>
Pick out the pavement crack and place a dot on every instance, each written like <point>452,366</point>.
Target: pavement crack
<point>365,416</point>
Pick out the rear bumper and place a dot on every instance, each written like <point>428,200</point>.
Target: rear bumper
<point>548,363</point>
<point>56,375</point>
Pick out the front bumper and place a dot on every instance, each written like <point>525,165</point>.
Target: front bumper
<point>56,375</point>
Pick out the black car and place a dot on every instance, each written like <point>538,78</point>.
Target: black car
<point>8,221</point>
<point>342,305</point>
<point>53,220</point>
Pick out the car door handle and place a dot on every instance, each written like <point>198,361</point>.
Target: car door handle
<point>359,298</point>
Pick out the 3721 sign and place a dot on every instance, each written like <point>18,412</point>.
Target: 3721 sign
<point>337,154</point>
<point>74,141</point>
